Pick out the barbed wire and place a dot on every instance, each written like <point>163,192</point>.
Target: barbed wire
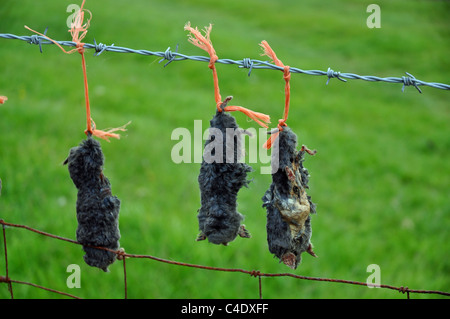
<point>122,255</point>
<point>247,63</point>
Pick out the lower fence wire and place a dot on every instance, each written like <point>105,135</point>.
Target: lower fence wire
<point>6,264</point>
<point>122,255</point>
<point>125,278</point>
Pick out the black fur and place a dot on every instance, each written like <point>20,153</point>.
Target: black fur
<point>287,204</point>
<point>220,182</point>
<point>97,209</point>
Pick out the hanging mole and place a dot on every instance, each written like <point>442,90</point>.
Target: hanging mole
<point>97,209</point>
<point>220,179</point>
<point>287,204</point>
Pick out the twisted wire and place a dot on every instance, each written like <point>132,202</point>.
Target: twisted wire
<point>247,63</point>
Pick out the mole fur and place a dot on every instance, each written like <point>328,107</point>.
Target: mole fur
<point>287,204</point>
<point>220,182</point>
<point>97,209</point>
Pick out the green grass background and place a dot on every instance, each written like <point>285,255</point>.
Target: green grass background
<point>380,178</point>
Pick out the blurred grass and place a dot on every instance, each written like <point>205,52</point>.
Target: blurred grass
<point>380,178</point>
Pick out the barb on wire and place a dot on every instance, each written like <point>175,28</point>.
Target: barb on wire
<point>169,56</point>
<point>246,63</point>
<point>253,273</point>
<point>333,74</point>
<point>36,39</point>
<point>99,48</point>
<point>409,80</point>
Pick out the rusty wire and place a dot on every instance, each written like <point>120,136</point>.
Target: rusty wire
<point>122,255</point>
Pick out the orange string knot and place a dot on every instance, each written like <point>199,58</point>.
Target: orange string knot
<point>281,123</point>
<point>80,47</point>
<point>287,73</point>
<point>274,134</point>
<point>212,61</point>
<point>105,134</point>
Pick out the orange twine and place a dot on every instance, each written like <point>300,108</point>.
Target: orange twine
<point>3,99</point>
<point>78,31</point>
<point>287,91</point>
<point>109,133</point>
<point>204,43</point>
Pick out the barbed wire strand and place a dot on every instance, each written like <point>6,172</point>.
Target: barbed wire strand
<point>247,63</point>
<point>254,273</point>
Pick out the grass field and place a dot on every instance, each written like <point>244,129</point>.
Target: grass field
<point>380,179</point>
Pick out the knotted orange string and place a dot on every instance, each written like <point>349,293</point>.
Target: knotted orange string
<point>204,43</point>
<point>109,133</point>
<point>287,91</point>
<point>3,99</point>
<point>78,31</point>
